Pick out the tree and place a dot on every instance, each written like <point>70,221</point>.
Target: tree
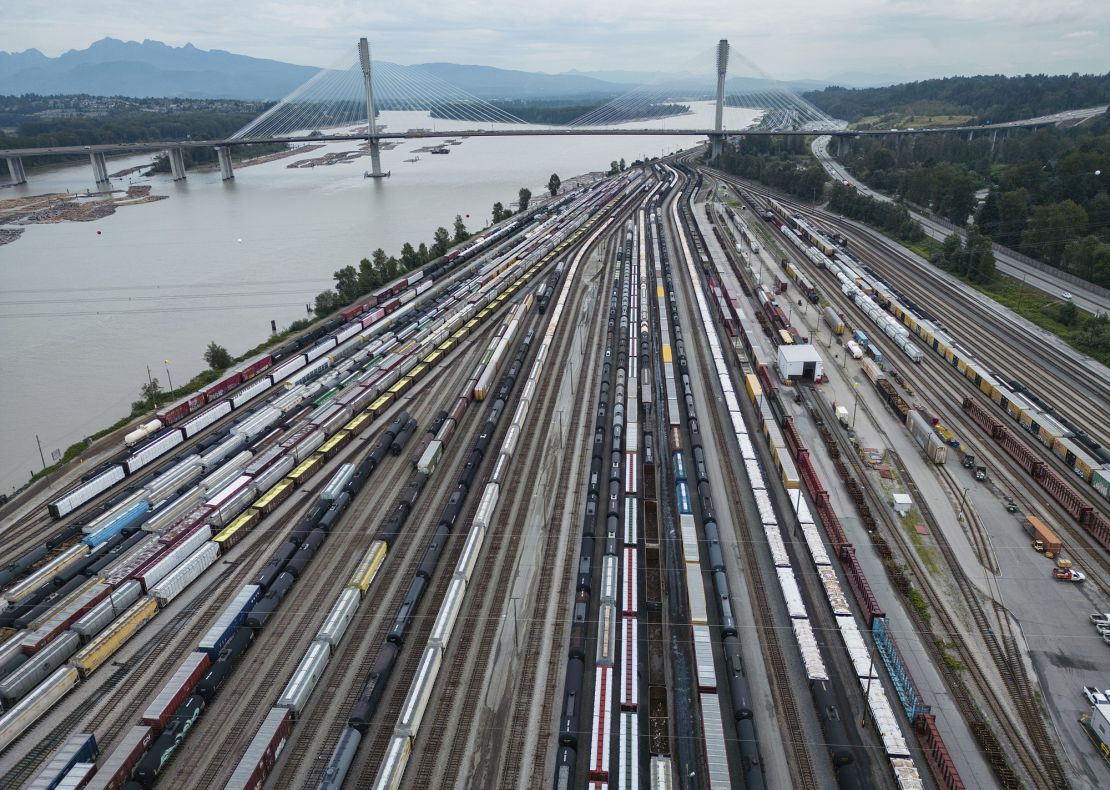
<point>989,216</point>
<point>408,257</point>
<point>553,184</point>
<point>369,278</point>
<point>622,165</point>
<point>979,257</point>
<point>461,234</point>
<point>440,241</point>
<point>524,196</point>
<point>422,253</point>
<point>614,167</point>
<point>326,302</point>
<point>498,212</point>
<point>217,356</point>
<point>151,391</point>
<point>1050,229</point>
<point>1068,314</point>
<point>346,284</point>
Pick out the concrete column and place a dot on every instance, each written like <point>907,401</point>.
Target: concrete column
<point>717,141</point>
<point>371,121</point>
<point>100,168</point>
<point>224,154</point>
<point>177,163</point>
<point>994,139</point>
<point>15,169</point>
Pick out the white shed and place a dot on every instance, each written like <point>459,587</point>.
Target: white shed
<point>800,363</point>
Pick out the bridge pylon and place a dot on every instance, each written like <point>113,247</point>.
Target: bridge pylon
<point>375,170</point>
<point>717,140</point>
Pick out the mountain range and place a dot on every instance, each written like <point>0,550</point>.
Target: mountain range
<point>111,67</point>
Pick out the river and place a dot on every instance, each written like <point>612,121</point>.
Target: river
<point>88,307</point>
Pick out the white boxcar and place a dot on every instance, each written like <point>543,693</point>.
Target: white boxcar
<point>487,504</point>
<point>606,635</point>
<point>609,569</point>
<point>631,520</point>
<point>308,445</point>
<point>628,773</point>
<point>226,473</point>
<point>393,766</point>
<point>714,731</point>
<point>80,494</point>
<point>661,775</point>
<point>602,722</point>
<point>287,368</point>
<point>448,613</point>
<point>420,692</point>
<point>696,591</point>
<point>224,449</point>
<point>689,538</point>
<point>175,557</point>
<point>252,390</point>
<point>46,572</point>
<point>152,450</point>
<point>268,479</point>
<point>703,658</point>
<point>340,616</point>
<point>194,425</point>
<point>469,556</point>
<point>630,664</point>
<point>186,573</point>
<point>180,476</point>
<point>795,606</point>
<point>630,587</point>
<point>39,667</point>
<point>305,677</point>
<point>886,723</point>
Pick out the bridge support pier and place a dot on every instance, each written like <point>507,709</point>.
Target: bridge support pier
<point>15,169</point>
<point>177,163</point>
<point>375,170</point>
<point>100,169</point>
<point>223,152</point>
<point>716,142</point>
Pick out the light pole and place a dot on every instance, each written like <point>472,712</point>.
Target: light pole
<point>855,405</point>
<point>867,694</point>
<point>169,378</point>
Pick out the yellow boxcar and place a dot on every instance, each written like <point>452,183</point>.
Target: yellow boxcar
<point>380,405</point>
<point>751,384</point>
<point>1026,419</point>
<point>356,425</point>
<point>961,366</point>
<point>446,345</point>
<point>987,388</point>
<point>333,445</point>
<point>1014,409</point>
<point>268,502</point>
<point>368,566</point>
<point>473,322</point>
<point>485,311</point>
<point>418,372</point>
<point>104,646</point>
<point>234,532</point>
<point>949,357</point>
<point>667,352</point>
<point>306,469</point>
<point>432,358</point>
<point>400,386</point>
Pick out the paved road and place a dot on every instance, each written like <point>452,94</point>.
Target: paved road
<point>1084,298</point>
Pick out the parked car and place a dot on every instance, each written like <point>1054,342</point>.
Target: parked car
<point>1094,696</point>
<point>1101,618</point>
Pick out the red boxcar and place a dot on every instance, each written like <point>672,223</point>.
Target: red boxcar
<point>263,751</point>
<point>177,690</point>
<point>115,770</point>
<point>223,387</point>
<point>256,367</point>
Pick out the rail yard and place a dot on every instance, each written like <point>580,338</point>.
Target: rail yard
<point>668,482</point>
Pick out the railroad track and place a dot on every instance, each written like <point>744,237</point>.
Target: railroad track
<point>1048,773</point>
<point>787,709</point>
<point>973,524</point>
<point>465,677</point>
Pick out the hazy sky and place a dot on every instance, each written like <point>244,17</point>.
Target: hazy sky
<point>786,38</point>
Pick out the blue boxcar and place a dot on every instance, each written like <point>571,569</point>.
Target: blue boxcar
<point>135,514</point>
<point>682,494</point>
<point>679,467</point>
<point>78,748</point>
<point>229,621</point>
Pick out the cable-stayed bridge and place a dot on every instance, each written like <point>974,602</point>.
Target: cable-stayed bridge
<point>355,98</point>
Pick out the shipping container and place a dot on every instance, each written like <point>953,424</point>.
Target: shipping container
<point>713,731</point>
<point>393,766</point>
<point>176,691</point>
<point>263,752</point>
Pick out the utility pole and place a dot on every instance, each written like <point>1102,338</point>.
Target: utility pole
<point>169,378</point>
<point>41,456</point>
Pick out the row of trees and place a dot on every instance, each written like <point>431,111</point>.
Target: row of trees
<point>973,259</point>
<point>893,218</point>
<point>990,98</point>
<point>790,173</point>
<point>1048,191</point>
